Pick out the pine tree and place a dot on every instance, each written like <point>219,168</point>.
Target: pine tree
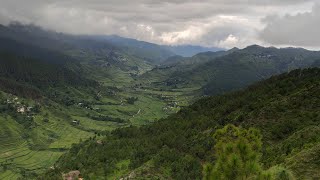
<point>237,152</point>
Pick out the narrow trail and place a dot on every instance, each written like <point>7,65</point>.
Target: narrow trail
<point>137,113</point>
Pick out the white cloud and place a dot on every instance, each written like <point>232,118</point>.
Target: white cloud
<point>180,37</point>
<point>229,42</point>
<point>297,30</point>
<point>222,23</point>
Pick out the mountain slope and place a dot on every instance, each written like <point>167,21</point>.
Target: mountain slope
<point>50,72</point>
<point>176,66</point>
<point>84,46</point>
<point>219,72</point>
<point>147,51</point>
<point>190,50</point>
<point>283,108</point>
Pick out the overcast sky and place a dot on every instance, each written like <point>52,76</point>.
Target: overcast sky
<point>219,23</point>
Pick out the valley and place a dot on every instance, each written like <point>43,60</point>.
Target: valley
<point>76,116</point>
<point>62,96</point>
<point>166,148</point>
<point>33,148</point>
<point>86,99</point>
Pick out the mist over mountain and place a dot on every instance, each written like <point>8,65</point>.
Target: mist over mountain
<point>190,50</point>
<point>167,50</point>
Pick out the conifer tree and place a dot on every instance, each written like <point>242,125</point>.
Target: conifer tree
<point>237,152</point>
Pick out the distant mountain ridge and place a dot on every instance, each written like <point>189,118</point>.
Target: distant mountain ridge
<point>190,50</point>
<point>93,46</point>
<point>146,51</point>
<point>219,72</point>
<point>166,50</point>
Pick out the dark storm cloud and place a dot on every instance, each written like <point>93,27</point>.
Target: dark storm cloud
<point>224,23</point>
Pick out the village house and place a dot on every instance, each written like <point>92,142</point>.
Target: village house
<point>21,109</point>
<point>76,122</point>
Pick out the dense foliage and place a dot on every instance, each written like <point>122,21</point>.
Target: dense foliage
<point>38,79</point>
<point>37,72</point>
<point>238,152</point>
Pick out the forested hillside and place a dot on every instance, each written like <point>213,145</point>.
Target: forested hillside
<point>284,108</point>
<point>38,72</point>
<point>219,72</point>
<point>85,47</point>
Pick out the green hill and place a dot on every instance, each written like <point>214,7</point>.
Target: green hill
<point>88,48</point>
<point>284,108</point>
<point>219,72</point>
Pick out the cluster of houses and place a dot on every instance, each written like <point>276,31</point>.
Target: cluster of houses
<point>72,175</point>
<point>20,108</point>
<point>86,106</point>
<point>76,122</point>
<point>267,56</point>
<point>170,106</point>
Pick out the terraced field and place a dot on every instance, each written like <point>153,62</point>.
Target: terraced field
<point>26,151</point>
<point>33,149</point>
<point>23,152</point>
